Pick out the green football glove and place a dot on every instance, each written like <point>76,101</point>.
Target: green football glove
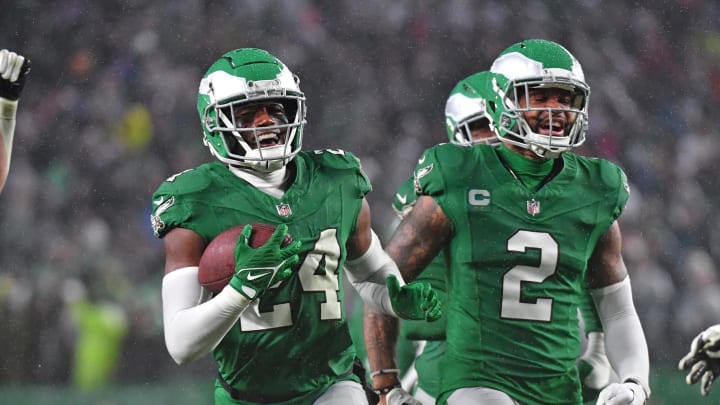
<point>414,301</point>
<point>256,270</point>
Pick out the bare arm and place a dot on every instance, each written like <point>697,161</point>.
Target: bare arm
<point>183,248</point>
<point>421,235</point>
<point>606,265</point>
<point>381,335</point>
<point>359,241</point>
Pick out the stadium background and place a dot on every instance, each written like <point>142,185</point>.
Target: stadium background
<point>109,111</point>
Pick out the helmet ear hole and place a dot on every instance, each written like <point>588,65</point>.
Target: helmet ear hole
<point>492,105</point>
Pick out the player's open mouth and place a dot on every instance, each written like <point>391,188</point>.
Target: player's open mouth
<point>556,129</point>
<point>268,139</point>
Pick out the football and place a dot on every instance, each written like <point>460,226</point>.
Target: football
<point>217,264</point>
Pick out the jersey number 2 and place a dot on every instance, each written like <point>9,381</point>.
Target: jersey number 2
<point>318,273</point>
<point>512,305</point>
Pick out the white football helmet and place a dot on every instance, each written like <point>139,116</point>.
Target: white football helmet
<point>538,63</point>
<point>240,78</point>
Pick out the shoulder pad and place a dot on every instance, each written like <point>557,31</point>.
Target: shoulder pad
<point>167,201</point>
<point>611,176</point>
<point>188,181</point>
<point>437,161</point>
<point>405,198</point>
<point>336,158</point>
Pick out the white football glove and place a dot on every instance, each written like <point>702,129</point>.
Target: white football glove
<point>703,360</point>
<point>594,365</point>
<point>627,393</point>
<point>13,69</point>
<point>398,396</point>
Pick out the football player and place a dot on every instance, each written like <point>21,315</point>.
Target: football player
<point>526,224</point>
<point>703,360</point>
<point>13,70</point>
<point>467,124</point>
<point>277,331</point>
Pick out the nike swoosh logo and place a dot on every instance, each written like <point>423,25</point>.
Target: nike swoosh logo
<point>252,277</point>
<point>421,160</point>
<point>159,201</point>
<point>401,198</point>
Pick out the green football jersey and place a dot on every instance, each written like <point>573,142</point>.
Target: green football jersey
<point>589,314</point>
<point>434,273</point>
<point>290,345</point>
<point>518,264</point>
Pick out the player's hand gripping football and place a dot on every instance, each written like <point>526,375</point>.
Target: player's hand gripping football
<point>414,301</point>
<point>13,69</point>
<point>703,360</point>
<point>257,270</point>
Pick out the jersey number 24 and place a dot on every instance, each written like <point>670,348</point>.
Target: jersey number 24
<point>325,255</point>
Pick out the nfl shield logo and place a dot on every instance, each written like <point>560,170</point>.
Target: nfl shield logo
<point>533,207</point>
<point>284,210</point>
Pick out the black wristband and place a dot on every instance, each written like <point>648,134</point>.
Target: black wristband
<point>385,390</point>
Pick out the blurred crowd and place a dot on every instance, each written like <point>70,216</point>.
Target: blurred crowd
<point>109,112</point>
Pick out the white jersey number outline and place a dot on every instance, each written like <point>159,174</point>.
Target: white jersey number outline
<point>322,259</point>
<point>512,306</point>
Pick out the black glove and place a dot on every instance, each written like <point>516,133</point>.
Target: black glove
<point>13,69</point>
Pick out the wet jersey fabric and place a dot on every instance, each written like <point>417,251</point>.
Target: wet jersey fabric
<point>518,259</point>
<point>428,366</point>
<point>591,318</point>
<point>434,273</point>
<point>293,343</point>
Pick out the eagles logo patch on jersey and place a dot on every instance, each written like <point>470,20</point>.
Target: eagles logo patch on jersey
<point>155,220</point>
<point>419,174</point>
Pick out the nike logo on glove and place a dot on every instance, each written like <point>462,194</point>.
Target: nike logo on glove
<point>252,277</point>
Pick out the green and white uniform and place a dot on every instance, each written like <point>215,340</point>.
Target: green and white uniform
<point>518,264</point>
<point>293,343</point>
